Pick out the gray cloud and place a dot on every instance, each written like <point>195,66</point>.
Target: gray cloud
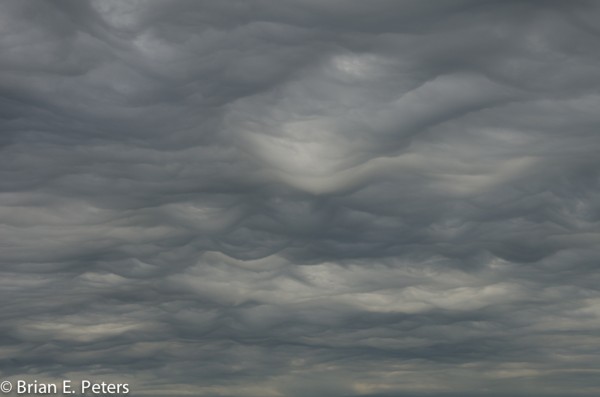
<point>301,198</point>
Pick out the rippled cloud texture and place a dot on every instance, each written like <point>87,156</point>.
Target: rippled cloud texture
<point>302,198</point>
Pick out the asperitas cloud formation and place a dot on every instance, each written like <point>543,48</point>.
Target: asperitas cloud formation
<point>301,198</point>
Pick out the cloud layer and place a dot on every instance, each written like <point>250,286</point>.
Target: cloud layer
<point>301,198</point>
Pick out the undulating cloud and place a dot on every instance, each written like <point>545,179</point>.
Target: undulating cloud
<point>301,198</point>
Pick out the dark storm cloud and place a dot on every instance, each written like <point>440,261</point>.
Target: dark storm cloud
<point>301,198</point>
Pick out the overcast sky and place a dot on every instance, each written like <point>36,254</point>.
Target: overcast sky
<point>302,198</point>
